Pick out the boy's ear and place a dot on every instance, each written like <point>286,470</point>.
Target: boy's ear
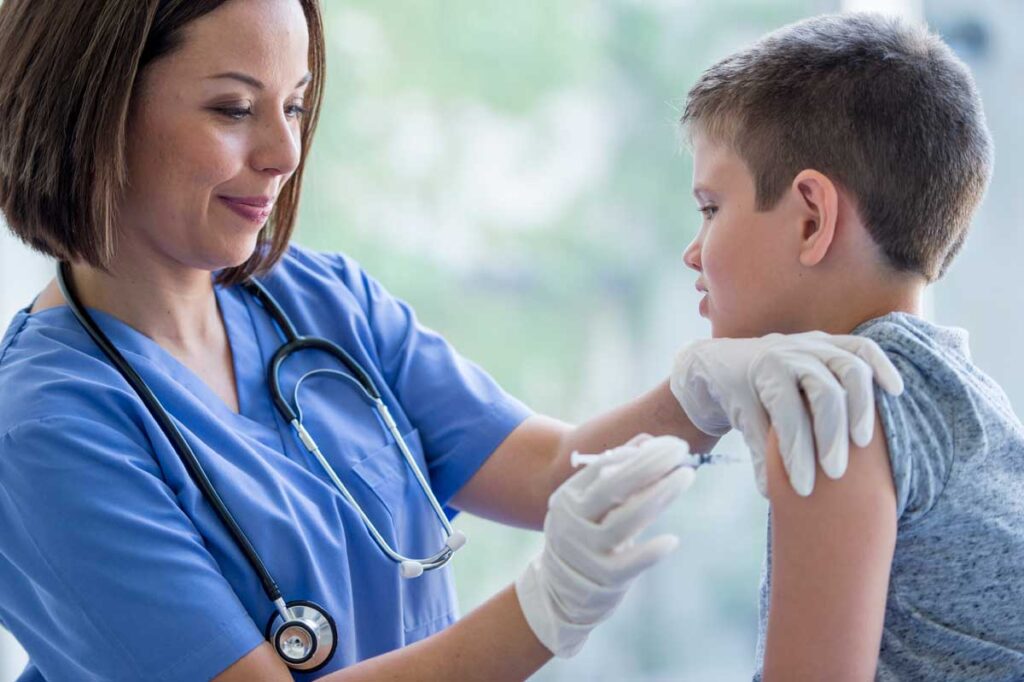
<point>821,211</point>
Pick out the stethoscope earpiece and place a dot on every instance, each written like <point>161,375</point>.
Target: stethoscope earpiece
<point>411,569</point>
<point>307,640</point>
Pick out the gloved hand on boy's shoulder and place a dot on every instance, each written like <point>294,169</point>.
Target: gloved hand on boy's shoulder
<point>815,389</point>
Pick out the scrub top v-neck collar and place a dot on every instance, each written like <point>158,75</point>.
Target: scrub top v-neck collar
<point>250,358</point>
<point>256,416</point>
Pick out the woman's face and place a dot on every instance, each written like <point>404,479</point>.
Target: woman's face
<point>214,135</point>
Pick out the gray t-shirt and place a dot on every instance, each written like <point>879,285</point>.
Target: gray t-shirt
<point>955,606</point>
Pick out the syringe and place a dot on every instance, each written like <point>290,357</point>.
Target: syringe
<point>693,460</point>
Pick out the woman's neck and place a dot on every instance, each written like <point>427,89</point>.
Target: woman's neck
<point>173,306</point>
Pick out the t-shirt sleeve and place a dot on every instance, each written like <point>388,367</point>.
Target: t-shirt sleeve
<point>920,424</point>
<point>104,576</point>
<point>461,413</point>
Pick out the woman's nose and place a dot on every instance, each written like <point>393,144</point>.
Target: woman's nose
<point>280,148</point>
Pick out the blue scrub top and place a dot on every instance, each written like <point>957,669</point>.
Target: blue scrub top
<point>112,564</point>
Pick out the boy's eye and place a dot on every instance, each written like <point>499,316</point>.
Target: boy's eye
<point>708,211</point>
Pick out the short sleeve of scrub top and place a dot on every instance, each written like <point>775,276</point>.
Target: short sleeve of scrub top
<point>112,564</point>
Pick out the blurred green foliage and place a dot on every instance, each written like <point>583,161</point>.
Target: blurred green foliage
<point>525,297</point>
<point>423,98</point>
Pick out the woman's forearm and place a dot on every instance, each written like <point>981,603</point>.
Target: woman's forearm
<point>493,642</point>
<point>656,412</point>
<point>514,484</point>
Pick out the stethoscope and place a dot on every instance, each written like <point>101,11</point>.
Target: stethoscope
<point>303,633</point>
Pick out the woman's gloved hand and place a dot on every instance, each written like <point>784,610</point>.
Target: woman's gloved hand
<point>590,553</point>
<point>752,384</point>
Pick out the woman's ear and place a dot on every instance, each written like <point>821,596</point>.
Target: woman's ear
<point>820,213</point>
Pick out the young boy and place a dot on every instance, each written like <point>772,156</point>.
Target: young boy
<point>837,164</point>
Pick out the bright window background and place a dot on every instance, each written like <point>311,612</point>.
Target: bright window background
<point>513,169</point>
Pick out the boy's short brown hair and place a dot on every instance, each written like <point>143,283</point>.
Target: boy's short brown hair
<point>68,72</point>
<point>881,106</point>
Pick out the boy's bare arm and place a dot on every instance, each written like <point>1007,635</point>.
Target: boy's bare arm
<point>831,554</point>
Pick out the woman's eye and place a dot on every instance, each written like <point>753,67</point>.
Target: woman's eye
<point>235,113</point>
<point>708,211</point>
<point>239,113</point>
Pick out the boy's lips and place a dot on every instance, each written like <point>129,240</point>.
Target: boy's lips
<point>703,306</point>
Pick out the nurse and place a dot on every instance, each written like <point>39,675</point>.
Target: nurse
<point>156,147</point>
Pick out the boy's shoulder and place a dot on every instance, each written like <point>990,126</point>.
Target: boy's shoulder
<point>934,360</point>
<point>949,410</point>
<point>916,340</point>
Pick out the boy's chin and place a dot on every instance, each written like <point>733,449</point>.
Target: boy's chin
<point>728,329</point>
<point>725,331</point>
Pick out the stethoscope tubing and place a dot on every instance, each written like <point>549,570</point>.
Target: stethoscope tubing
<point>293,343</point>
<point>181,447</point>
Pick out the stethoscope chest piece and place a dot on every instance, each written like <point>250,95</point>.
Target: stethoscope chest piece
<point>307,640</point>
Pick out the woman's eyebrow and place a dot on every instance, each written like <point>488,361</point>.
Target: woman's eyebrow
<point>255,82</point>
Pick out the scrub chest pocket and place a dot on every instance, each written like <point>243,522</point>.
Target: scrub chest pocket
<point>428,600</point>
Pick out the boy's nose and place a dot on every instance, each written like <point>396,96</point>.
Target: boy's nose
<point>691,256</point>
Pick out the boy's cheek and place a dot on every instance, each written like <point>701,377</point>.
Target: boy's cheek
<point>724,288</point>
<point>728,273</point>
<point>726,316</point>
<point>741,264</point>
<point>739,298</point>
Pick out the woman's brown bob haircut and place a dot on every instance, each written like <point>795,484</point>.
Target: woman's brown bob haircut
<point>68,72</point>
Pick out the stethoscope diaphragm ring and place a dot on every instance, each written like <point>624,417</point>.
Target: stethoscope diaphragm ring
<point>307,641</point>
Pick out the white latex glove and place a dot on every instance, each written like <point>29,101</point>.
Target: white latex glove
<point>590,553</point>
<point>753,384</point>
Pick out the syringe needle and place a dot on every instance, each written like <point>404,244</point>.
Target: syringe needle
<point>693,460</point>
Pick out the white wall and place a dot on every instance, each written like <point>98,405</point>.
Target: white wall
<point>913,9</point>
<point>22,274</point>
<point>982,291</point>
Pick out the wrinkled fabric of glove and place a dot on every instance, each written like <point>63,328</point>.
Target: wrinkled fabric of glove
<point>591,554</point>
<point>754,384</point>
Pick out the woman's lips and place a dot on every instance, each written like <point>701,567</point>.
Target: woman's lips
<point>254,214</point>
